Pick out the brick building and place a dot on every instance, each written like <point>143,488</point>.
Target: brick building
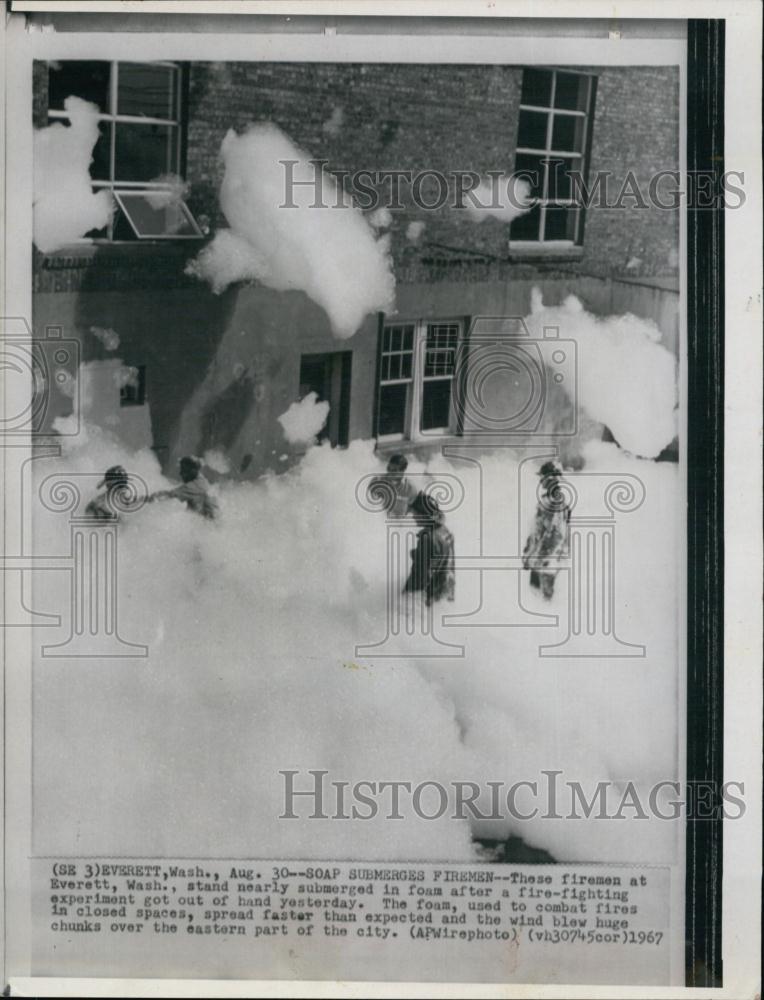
<point>216,371</point>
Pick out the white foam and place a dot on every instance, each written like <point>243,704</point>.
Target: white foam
<point>304,419</point>
<point>502,197</point>
<point>252,623</point>
<point>65,207</point>
<point>108,337</point>
<point>626,378</point>
<point>289,237</point>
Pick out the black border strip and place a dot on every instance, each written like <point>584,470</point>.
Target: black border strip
<point>705,500</point>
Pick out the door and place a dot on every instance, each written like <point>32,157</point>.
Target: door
<point>328,375</point>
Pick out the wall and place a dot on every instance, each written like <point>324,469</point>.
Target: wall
<point>220,369</point>
<point>448,118</point>
<point>254,378</point>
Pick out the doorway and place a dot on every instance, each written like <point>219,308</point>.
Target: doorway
<point>328,375</point>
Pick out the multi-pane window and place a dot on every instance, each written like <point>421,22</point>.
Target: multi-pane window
<point>440,345</point>
<point>417,369</point>
<point>138,152</point>
<point>395,379</point>
<point>553,130</point>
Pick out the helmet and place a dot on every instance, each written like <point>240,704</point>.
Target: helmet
<point>553,468</point>
<point>116,475</point>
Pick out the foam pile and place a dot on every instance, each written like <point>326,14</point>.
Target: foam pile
<point>65,206</point>
<point>293,227</point>
<point>252,624</point>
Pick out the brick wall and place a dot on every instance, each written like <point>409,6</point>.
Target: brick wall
<point>449,117</point>
<point>431,117</point>
<point>636,128</point>
<point>394,117</point>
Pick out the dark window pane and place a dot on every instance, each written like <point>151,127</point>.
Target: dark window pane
<point>144,89</point>
<point>441,349</point>
<point>99,168</point>
<point>386,338</point>
<point>559,184</point>
<point>438,363</point>
<point>143,152</point>
<point>97,234</point>
<point>570,91</point>
<point>88,80</point>
<point>153,213</point>
<point>537,87</point>
<point>408,338</point>
<point>392,409</point>
<point>395,344</point>
<point>122,231</point>
<point>568,133</point>
<point>560,223</point>
<point>395,366</point>
<point>406,365</point>
<point>526,227</point>
<point>439,335</point>
<point>531,131</point>
<point>436,404</point>
<point>531,168</point>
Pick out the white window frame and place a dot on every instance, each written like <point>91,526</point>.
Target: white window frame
<point>412,419</point>
<point>114,118</point>
<point>549,153</point>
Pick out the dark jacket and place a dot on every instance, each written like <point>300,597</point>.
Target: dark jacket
<point>101,508</point>
<point>432,567</point>
<point>547,545</point>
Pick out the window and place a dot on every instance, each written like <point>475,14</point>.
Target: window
<point>552,136</point>
<point>417,367</point>
<point>138,153</point>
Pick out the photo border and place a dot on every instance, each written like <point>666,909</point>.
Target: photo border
<point>705,457</point>
<point>705,502</point>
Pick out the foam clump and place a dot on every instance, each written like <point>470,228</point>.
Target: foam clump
<point>625,378</point>
<point>502,197</point>
<point>293,227</point>
<point>65,206</point>
<point>303,421</point>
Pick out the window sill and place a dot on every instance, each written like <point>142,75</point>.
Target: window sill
<point>545,251</point>
<point>84,251</point>
<point>410,446</point>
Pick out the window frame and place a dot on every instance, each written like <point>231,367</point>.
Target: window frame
<point>176,166</point>
<point>548,156</point>
<point>412,417</point>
